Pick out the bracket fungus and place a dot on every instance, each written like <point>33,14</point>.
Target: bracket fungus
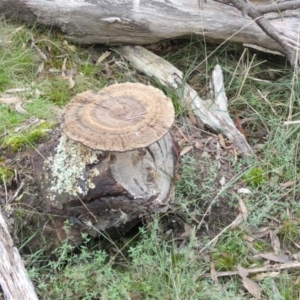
<point>120,117</point>
<point>113,159</point>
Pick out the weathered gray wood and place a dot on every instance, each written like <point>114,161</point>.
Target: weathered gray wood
<point>103,191</point>
<point>149,21</point>
<point>14,279</point>
<point>212,113</point>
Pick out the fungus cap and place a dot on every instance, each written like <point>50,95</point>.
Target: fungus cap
<point>120,117</point>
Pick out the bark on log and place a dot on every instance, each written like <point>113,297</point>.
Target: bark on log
<point>97,191</point>
<point>149,21</point>
<point>14,279</point>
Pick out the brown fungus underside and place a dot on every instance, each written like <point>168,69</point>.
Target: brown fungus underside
<point>120,117</point>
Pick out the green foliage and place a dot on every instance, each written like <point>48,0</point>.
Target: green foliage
<point>178,107</point>
<point>262,246</point>
<point>6,174</point>
<point>16,58</point>
<point>255,177</point>
<point>280,153</point>
<point>29,137</point>
<point>289,233</point>
<point>287,285</point>
<point>57,91</point>
<point>187,184</point>
<point>154,270</point>
<point>231,251</point>
<point>21,66</point>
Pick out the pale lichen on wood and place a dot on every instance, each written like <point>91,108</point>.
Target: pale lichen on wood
<point>67,168</point>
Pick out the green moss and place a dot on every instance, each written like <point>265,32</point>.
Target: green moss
<point>16,142</point>
<point>262,246</point>
<point>7,174</point>
<point>255,177</point>
<point>225,261</point>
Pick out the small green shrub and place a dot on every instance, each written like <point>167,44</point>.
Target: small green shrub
<point>187,183</point>
<point>6,174</point>
<point>255,177</point>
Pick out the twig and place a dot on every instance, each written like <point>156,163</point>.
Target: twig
<point>291,122</point>
<point>5,188</point>
<point>182,134</point>
<point>35,122</point>
<point>4,134</point>
<point>17,192</point>
<point>95,218</point>
<point>271,268</point>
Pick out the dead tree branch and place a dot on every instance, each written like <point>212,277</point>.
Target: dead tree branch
<point>278,7</point>
<point>247,9</point>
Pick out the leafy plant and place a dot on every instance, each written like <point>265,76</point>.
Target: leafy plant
<point>255,177</point>
<point>187,183</point>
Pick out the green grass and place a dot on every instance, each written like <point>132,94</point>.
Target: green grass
<point>17,60</point>
<point>168,258</point>
<point>30,137</point>
<point>155,269</point>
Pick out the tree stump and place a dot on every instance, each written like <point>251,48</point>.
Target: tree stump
<point>101,190</point>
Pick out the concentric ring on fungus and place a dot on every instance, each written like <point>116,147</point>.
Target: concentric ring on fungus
<point>120,117</point>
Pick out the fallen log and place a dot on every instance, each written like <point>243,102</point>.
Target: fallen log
<point>149,21</point>
<point>14,279</point>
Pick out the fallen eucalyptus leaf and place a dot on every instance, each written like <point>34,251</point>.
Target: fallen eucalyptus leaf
<point>10,100</point>
<point>277,258</point>
<point>103,56</point>
<point>251,286</point>
<point>16,90</point>
<point>222,181</point>
<point>275,242</point>
<point>70,47</point>
<point>20,109</point>
<point>244,191</point>
<point>287,184</point>
<point>243,209</point>
<point>185,150</point>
